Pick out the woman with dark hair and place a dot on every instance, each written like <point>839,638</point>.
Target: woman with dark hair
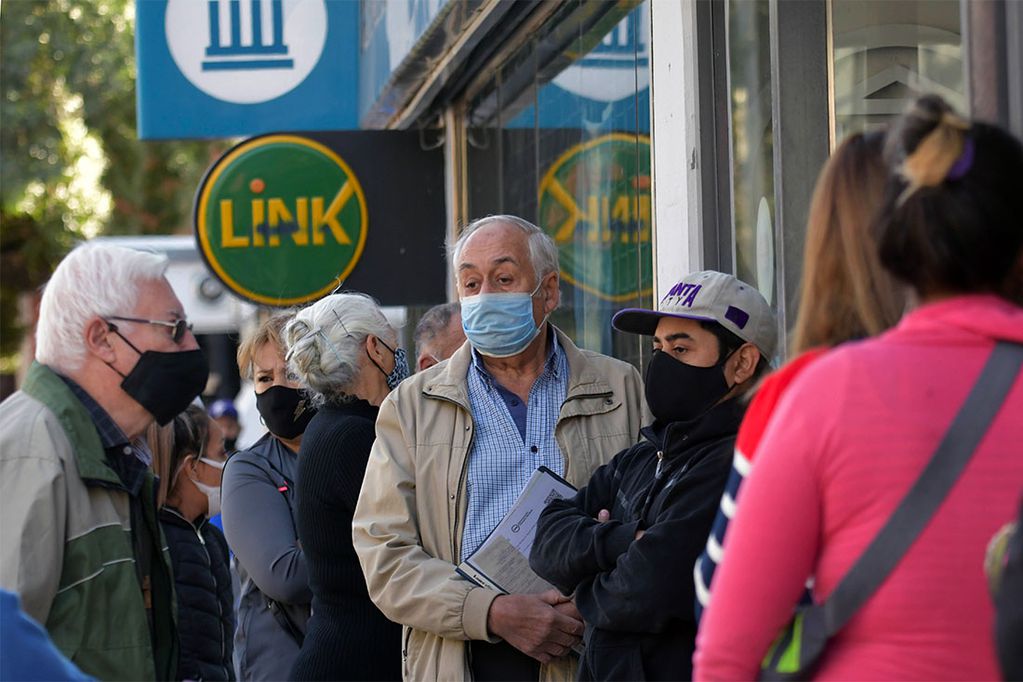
<point>854,432</point>
<point>188,456</point>
<point>345,353</point>
<point>845,295</point>
<point>260,506</point>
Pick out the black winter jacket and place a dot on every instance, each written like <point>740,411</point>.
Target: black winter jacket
<point>636,596</point>
<point>202,582</point>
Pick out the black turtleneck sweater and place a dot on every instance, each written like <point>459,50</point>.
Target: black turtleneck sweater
<point>637,596</point>
<point>347,638</point>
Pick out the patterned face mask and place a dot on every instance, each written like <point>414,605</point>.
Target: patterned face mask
<point>400,371</point>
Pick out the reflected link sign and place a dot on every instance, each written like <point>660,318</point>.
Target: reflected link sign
<point>281,220</point>
<point>595,202</point>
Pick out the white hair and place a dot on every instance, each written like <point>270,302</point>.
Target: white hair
<point>324,341</point>
<point>94,280</point>
<point>543,252</point>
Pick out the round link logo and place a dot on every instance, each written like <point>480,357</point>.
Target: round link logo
<point>281,220</point>
<point>246,51</point>
<point>595,202</point>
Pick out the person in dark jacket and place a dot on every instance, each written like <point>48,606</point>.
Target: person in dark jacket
<point>345,354</point>
<point>188,456</point>
<point>626,544</point>
<point>259,511</point>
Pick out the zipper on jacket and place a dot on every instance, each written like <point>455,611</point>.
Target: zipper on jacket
<point>220,607</point>
<point>404,645</point>
<point>660,464</point>
<point>458,494</point>
<point>216,594</point>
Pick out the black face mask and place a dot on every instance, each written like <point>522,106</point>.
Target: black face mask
<point>165,383</point>
<point>677,392</point>
<point>285,411</point>
<point>229,444</point>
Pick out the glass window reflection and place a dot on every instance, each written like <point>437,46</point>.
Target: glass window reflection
<point>560,136</point>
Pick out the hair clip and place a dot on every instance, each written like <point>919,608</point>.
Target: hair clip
<point>340,322</point>
<point>963,164</point>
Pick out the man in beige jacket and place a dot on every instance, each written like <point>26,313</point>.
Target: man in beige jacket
<point>456,444</point>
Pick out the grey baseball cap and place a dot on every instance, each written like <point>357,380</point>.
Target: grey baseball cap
<point>712,296</point>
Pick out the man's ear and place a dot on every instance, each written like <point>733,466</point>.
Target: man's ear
<point>746,360</point>
<point>552,292</point>
<point>98,341</point>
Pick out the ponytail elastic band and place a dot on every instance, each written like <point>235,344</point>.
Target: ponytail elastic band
<point>963,164</point>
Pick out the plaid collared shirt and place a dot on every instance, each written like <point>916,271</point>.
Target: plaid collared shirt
<point>131,470</point>
<point>502,459</point>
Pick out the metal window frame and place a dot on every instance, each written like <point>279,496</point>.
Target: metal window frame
<point>993,54</point>
<point>800,108</point>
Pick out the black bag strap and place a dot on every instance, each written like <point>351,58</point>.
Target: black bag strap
<point>928,492</point>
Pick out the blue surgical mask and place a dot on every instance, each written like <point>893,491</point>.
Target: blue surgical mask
<point>500,325</point>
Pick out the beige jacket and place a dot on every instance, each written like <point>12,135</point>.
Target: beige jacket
<point>411,512</point>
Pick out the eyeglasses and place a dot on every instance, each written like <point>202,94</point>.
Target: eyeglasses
<point>180,327</point>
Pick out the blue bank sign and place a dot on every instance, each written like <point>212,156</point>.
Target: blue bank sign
<point>222,68</point>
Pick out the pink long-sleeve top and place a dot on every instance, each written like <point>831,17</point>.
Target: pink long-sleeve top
<point>848,440</point>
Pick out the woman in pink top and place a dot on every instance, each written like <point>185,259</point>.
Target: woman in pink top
<point>856,429</point>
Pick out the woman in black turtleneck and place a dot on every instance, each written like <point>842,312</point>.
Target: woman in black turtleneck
<point>345,354</point>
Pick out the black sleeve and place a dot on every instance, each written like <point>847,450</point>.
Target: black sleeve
<point>652,581</point>
<point>261,532</point>
<point>571,545</point>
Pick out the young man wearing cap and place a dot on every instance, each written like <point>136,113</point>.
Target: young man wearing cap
<point>625,545</point>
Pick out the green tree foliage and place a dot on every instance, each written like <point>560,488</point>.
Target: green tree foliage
<point>68,112</point>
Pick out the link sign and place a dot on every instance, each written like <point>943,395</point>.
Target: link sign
<point>281,220</point>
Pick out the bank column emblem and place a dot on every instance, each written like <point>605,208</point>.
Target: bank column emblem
<point>255,55</point>
<point>246,51</point>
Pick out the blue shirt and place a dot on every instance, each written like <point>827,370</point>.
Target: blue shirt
<point>510,441</point>
<point>130,469</point>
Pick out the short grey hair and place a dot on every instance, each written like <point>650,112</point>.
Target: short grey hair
<point>94,280</point>
<point>543,252</point>
<point>324,341</point>
<point>433,322</point>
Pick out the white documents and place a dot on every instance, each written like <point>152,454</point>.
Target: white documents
<point>502,562</point>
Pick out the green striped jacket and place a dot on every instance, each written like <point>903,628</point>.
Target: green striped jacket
<point>66,541</point>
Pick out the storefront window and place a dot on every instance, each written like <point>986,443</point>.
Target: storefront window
<point>752,143</point>
<point>561,137</point>
<point>887,53</point>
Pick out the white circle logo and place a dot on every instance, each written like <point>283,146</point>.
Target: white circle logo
<point>246,51</point>
<point>618,67</point>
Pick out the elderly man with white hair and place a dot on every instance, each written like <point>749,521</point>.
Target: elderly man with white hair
<point>457,443</point>
<point>81,542</point>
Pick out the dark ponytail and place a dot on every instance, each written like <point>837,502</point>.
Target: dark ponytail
<point>951,220</point>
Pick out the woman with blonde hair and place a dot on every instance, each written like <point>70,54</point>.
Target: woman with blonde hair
<point>854,435</point>
<point>259,514</point>
<point>845,295</point>
<point>346,355</point>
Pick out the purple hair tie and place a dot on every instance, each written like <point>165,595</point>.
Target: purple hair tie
<point>963,164</point>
